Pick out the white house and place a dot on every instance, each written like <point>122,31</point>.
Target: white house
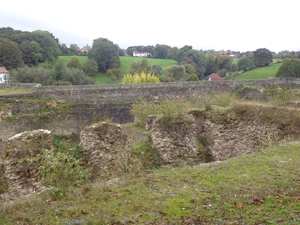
<point>3,75</point>
<point>141,54</point>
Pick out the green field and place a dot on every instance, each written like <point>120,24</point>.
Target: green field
<point>66,59</point>
<point>126,61</point>
<point>261,73</point>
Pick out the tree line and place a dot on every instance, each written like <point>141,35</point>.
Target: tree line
<point>22,49</point>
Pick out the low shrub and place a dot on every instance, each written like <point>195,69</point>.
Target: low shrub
<point>61,170</point>
<point>140,78</point>
<point>142,109</point>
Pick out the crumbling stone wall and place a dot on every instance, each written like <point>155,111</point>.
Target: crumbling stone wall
<point>106,148</point>
<point>206,138</point>
<point>20,172</point>
<point>233,137</point>
<point>176,143</point>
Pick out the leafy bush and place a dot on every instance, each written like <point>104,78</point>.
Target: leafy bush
<point>139,67</point>
<point>142,109</point>
<point>221,100</point>
<point>90,67</point>
<point>174,110</point>
<point>279,97</point>
<point>289,68</point>
<point>140,78</point>
<point>175,73</point>
<point>33,75</point>
<point>156,70</point>
<point>59,75</point>
<point>61,170</point>
<point>114,74</point>
<point>74,62</point>
<point>76,77</point>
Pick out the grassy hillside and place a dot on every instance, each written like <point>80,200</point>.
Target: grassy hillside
<point>261,73</point>
<point>66,59</point>
<point>262,188</point>
<point>127,61</point>
<point>101,78</point>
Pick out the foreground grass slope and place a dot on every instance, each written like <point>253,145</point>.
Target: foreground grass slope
<point>262,188</point>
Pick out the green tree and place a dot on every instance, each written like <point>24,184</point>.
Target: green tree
<point>180,53</point>
<point>139,67</point>
<point>32,52</point>
<point>262,57</point>
<point>212,64</point>
<point>199,61</point>
<point>175,73</point>
<point>225,62</point>
<point>59,70</point>
<point>49,45</point>
<point>161,51</point>
<point>10,54</point>
<point>74,62</point>
<point>90,67</point>
<point>172,52</point>
<point>290,67</point>
<point>105,53</point>
<point>73,49</point>
<point>156,69</point>
<point>246,63</point>
<point>192,77</point>
<point>64,49</point>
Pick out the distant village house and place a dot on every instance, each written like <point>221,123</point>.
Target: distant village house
<point>141,54</point>
<point>83,50</point>
<point>214,77</point>
<point>3,75</point>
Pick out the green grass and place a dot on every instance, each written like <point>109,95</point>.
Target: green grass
<point>127,61</point>
<point>101,78</point>
<point>261,73</point>
<point>261,188</point>
<point>14,91</point>
<point>66,59</point>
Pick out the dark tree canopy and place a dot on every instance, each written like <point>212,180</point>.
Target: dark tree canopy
<point>198,60</point>
<point>246,63</point>
<point>105,53</point>
<point>49,45</point>
<point>32,53</point>
<point>262,57</point>
<point>161,51</point>
<point>289,68</point>
<point>10,54</point>
<point>225,62</point>
<point>212,64</point>
<point>175,73</point>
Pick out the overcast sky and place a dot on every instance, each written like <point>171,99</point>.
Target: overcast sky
<point>238,25</point>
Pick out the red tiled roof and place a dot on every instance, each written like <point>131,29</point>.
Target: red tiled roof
<point>3,70</point>
<point>214,76</point>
